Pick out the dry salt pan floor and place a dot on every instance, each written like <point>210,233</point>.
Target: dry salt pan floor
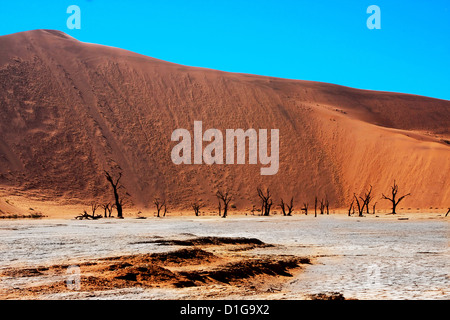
<point>283,257</point>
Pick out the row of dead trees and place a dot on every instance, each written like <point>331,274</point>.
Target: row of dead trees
<point>287,208</point>
<point>224,198</point>
<point>108,208</point>
<point>362,203</point>
<point>321,206</point>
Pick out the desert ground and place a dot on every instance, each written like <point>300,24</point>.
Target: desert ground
<point>242,257</point>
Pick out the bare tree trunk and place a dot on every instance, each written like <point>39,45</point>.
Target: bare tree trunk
<point>196,206</point>
<point>115,186</point>
<point>159,205</point>
<point>315,206</point>
<point>266,201</point>
<point>289,207</point>
<point>225,197</point>
<point>283,207</point>
<point>94,207</point>
<point>367,199</point>
<point>107,207</point>
<point>394,191</point>
<point>305,208</point>
<point>322,206</point>
<point>360,208</point>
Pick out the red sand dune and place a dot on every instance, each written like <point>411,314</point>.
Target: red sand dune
<point>69,110</point>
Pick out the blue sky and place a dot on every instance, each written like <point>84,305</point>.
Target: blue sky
<point>315,40</point>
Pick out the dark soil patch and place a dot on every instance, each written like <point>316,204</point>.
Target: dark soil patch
<point>246,269</point>
<point>202,241</point>
<point>327,296</point>
<point>27,272</point>
<point>148,273</point>
<point>180,256</point>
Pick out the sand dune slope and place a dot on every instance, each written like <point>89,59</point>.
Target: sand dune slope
<point>70,110</point>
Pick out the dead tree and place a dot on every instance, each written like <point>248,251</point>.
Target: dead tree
<point>196,206</point>
<point>364,202</point>
<point>315,206</point>
<point>322,206</point>
<point>165,209</point>
<point>94,207</point>
<point>85,215</point>
<point>108,208</point>
<point>266,201</point>
<point>159,205</point>
<point>305,208</point>
<point>351,208</point>
<point>327,205</point>
<point>447,212</point>
<point>360,205</point>
<point>367,199</point>
<point>220,208</point>
<point>289,207</point>
<point>225,197</point>
<point>374,205</point>
<point>115,184</point>
<point>105,209</point>
<point>394,201</point>
<point>283,207</point>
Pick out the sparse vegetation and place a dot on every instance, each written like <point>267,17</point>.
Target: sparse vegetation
<point>33,215</point>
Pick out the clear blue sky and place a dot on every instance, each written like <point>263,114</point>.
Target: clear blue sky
<point>315,40</point>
